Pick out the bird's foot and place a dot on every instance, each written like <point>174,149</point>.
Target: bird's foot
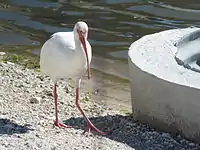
<point>61,125</point>
<point>90,127</point>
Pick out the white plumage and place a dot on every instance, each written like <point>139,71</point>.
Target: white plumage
<point>63,56</point>
<point>68,55</point>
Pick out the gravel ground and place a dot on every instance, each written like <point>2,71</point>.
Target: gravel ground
<point>27,115</point>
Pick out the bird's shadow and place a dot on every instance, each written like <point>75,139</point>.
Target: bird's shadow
<point>126,129</point>
<point>119,128</point>
<point>8,127</point>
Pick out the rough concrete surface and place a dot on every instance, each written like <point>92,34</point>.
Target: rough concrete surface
<point>164,93</point>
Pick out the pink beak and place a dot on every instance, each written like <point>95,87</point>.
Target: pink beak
<point>82,39</point>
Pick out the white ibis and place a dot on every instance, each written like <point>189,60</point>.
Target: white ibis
<point>68,55</point>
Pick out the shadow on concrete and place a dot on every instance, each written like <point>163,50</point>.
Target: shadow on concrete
<point>8,127</point>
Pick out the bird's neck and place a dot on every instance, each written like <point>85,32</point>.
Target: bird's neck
<point>78,44</point>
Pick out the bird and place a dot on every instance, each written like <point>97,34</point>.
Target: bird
<point>68,55</point>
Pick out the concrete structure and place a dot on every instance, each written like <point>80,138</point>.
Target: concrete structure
<point>165,82</point>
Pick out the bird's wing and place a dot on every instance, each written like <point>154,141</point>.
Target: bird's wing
<point>65,40</point>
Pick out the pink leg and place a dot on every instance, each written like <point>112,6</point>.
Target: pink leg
<point>57,123</point>
<point>90,126</point>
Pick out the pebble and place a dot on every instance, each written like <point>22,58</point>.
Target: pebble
<point>191,144</point>
<point>10,63</point>
<point>35,100</point>
<point>43,100</point>
<point>166,135</point>
<point>2,53</point>
<point>49,93</point>
<point>182,141</point>
<point>67,89</point>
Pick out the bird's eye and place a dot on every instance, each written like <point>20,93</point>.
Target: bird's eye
<point>81,32</point>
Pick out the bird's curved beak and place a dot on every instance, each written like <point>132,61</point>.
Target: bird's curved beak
<point>83,42</point>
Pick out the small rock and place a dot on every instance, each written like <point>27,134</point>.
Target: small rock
<point>35,100</point>
<point>37,135</point>
<point>10,63</point>
<point>96,92</point>
<point>166,135</point>
<point>18,136</point>
<point>67,89</point>
<point>40,77</point>
<point>38,91</point>
<point>191,144</point>
<point>182,141</point>
<point>28,82</point>
<point>49,93</point>
<point>2,53</point>
<point>44,100</point>
<point>86,98</point>
<point>5,144</point>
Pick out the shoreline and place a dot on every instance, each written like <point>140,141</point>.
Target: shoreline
<point>27,115</point>
<point>107,89</point>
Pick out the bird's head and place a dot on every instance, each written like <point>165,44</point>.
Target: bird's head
<point>81,30</point>
<point>81,34</point>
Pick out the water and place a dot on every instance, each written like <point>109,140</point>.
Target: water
<point>114,25</point>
